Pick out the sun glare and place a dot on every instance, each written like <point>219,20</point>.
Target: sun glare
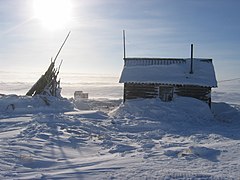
<point>54,14</point>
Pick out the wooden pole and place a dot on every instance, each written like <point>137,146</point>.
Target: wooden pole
<point>124,45</point>
<point>191,70</point>
<point>61,47</point>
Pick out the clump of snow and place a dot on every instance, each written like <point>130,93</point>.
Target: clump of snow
<point>226,112</point>
<point>39,103</point>
<point>92,114</point>
<point>82,104</point>
<point>119,148</point>
<point>204,152</point>
<point>182,109</point>
<point>102,104</point>
<point>194,152</point>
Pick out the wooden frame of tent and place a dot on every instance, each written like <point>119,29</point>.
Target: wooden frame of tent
<point>47,84</point>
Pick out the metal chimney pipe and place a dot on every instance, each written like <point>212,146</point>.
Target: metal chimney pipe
<point>191,69</point>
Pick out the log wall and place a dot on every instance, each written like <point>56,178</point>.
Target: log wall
<point>134,91</point>
<point>198,92</point>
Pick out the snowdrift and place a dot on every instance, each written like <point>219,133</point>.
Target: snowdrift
<point>183,110</point>
<point>26,104</point>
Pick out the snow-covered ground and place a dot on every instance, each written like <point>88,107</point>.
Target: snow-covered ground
<point>101,138</point>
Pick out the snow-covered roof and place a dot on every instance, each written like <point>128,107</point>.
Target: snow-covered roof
<point>169,71</point>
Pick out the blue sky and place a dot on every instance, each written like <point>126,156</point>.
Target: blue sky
<point>154,28</point>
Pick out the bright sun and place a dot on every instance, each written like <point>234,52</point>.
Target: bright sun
<point>54,14</point>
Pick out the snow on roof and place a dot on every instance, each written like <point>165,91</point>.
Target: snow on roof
<point>169,71</point>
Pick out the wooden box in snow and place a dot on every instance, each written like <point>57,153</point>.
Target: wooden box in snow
<point>80,95</point>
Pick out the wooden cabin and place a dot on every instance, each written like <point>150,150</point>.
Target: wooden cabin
<point>166,78</point>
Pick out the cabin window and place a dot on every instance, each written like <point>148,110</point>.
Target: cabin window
<point>165,93</point>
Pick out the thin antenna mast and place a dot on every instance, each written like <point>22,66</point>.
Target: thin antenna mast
<point>124,45</point>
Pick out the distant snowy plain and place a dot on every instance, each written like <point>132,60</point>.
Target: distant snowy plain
<point>101,138</point>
